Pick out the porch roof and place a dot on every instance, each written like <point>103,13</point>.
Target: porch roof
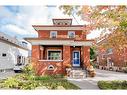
<point>70,42</point>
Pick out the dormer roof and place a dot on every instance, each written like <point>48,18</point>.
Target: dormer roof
<point>62,22</point>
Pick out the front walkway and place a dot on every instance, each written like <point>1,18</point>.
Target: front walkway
<point>85,84</point>
<point>91,83</point>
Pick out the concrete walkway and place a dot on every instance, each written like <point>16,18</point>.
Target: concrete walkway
<point>85,84</point>
<point>91,83</point>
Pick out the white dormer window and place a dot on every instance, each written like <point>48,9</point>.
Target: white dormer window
<point>53,34</point>
<point>71,34</point>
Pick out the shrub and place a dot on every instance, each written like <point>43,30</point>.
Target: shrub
<point>125,70</point>
<point>28,69</point>
<point>28,85</point>
<point>112,84</point>
<point>11,83</point>
<point>43,77</point>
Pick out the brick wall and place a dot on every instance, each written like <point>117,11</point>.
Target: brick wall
<point>35,52</point>
<point>42,68</point>
<point>61,34</point>
<point>86,55</point>
<point>66,56</point>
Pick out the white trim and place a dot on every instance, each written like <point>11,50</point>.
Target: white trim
<point>58,28</point>
<point>77,65</point>
<point>69,32</point>
<point>54,50</point>
<point>61,42</point>
<point>51,60</point>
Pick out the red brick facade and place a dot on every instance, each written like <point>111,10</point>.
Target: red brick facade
<point>112,58</point>
<point>66,50</point>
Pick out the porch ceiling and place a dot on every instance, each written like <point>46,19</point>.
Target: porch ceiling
<point>61,42</point>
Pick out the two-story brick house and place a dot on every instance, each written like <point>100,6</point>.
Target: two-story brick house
<point>109,57</point>
<point>58,45</point>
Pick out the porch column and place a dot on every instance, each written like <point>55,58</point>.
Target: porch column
<point>41,52</point>
<point>35,52</point>
<point>86,56</point>
<point>66,56</point>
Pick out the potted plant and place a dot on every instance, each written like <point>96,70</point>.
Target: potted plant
<point>68,66</point>
<point>91,71</point>
<point>68,69</point>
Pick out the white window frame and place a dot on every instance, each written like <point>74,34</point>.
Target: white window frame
<point>53,32</point>
<point>110,52</point>
<point>55,50</point>
<point>69,32</point>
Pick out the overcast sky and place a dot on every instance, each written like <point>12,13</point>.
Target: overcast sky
<point>18,20</point>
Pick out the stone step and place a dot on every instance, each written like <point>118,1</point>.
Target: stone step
<point>77,74</point>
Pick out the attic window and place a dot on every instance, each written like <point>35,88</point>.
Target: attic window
<point>58,23</point>
<point>50,67</point>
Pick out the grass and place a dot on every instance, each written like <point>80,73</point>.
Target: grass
<point>52,82</point>
<point>112,85</point>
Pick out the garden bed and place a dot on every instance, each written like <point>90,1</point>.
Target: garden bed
<point>112,85</point>
<point>28,81</point>
<point>23,81</point>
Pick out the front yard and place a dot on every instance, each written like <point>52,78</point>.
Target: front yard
<point>28,81</point>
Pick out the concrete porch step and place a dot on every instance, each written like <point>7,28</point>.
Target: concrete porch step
<point>77,74</point>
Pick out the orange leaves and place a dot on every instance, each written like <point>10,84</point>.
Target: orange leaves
<point>86,9</point>
<point>103,7</point>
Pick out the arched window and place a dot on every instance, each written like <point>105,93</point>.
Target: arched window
<point>50,67</point>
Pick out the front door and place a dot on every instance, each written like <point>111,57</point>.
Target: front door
<point>76,58</point>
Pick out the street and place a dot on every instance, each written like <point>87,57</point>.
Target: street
<point>6,74</point>
<point>91,83</point>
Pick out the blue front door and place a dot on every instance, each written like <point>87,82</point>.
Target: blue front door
<point>76,58</point>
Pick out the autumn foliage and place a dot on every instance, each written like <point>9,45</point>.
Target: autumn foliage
<point>112,20</point>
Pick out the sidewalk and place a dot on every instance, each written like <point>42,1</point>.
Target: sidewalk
<point>85,84</point>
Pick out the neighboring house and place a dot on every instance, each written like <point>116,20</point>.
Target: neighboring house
<point>60,45</point>
<point>110,58</point>
<point>12,52</point>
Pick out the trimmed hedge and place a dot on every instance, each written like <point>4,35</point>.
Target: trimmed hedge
<point>112,84</point>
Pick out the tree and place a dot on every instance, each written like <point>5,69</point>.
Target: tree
<point>108,18</point>
<point>92,53</point>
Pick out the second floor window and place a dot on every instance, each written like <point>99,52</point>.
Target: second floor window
<point>71,34</point>
<point>53,34</point>
<point>109,51</point>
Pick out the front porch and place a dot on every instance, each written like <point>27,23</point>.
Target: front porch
<point>53,59</point>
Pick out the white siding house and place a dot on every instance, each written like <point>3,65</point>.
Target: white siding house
<point>12,51</point>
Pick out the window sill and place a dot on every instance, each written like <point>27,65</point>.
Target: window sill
<point>51,60</point>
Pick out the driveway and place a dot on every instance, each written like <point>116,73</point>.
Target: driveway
<point>91,83</point>
<point>6,74</point>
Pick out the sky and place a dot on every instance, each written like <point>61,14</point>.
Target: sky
<point>17,21</point>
